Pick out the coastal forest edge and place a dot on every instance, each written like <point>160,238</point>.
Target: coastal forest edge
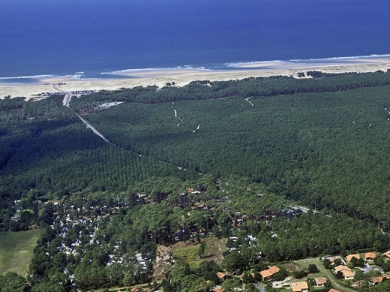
<point>227,158</point>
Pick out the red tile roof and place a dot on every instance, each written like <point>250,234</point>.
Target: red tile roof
<point>370,255</point>
<point>269,272</point>
<point>299,286</point>
<point>320,280</point>
<point>356,255</point>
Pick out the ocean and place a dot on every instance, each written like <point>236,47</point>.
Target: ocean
<point>87,38</point>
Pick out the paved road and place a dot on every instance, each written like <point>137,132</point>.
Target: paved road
<point>67,98</point>
<point>65,102</point>
<point>92,128</point>
<point>335,284</point>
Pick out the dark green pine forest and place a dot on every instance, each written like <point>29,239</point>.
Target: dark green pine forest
<point>253,147</point>
<point>321,141</point>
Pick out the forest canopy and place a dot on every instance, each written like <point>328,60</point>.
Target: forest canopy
<point>321,141</point>
<point>221,158</point>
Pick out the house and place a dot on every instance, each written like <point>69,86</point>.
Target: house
<point>357,284</point>
<point>356,255</point>
<point>332,259</point>
<point>348,275</point>
<point>138,289</point>
<point>266,274</point>
<point>334,290</point>
<point>379,279</point>
<point>222,276</point>
<point>370,256</point>
<point>218,289</point>
<point>347,272</point>
<point>320,281</point>
<point>299,287</point>
<point>386,254</point>
<point>341,268</point>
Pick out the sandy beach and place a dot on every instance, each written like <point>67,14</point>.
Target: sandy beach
<point>182,77</point>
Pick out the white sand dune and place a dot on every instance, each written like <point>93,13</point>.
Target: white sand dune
<point>182,77</point>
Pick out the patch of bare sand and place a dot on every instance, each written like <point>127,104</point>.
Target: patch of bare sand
<point>162,264</point>
<point>182,77</point>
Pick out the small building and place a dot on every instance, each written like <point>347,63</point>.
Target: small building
<point>369,256</point>
<point>333,258</point>
<point>299,287</point>
<point>222,276</point>
<point>341,268</point>
<point>334,290</point>
<point>266,274</point>
<point>386,254</point>
<point>320,281</point>
<point>379,279</point>
<point>348,275</point>
<point>138,289</point>
<point>357,284</point>
<point>347,272</point>
<point>356,255</point>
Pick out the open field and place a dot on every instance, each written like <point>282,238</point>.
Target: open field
<point>16,251</point>
<point>189,253</point>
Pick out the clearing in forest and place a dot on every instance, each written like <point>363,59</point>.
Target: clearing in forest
<point>188,253</point>
<point>16,251</point>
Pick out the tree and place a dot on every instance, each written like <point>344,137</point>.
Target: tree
<point>12,282</point>
<point>250,288</point>
<point>299,274</point>
<point>248,278</point>
<point>90,276</point>
<point>258,277</point>
<point>231,284</point>
<point>178,273</point>
<point>313,268</point>
<point>208,270</point>
<point>339,275</point>
<point>234,262</point>
<point>359,275</point>
<point>202,250</point>
<point>327,263</point>
<point>337,262</point>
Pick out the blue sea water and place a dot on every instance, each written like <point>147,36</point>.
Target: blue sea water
<point>63,37</point>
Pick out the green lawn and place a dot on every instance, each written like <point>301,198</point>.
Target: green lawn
<point>189,255</point>
<point>306,262</point>
<point>16,251</point>
<point>323,272</point>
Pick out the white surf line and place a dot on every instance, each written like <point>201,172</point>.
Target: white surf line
<point>247,99</point>
<point>197,128</point>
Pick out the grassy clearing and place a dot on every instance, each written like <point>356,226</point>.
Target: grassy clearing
<point>189,253</point>
<point>16,251</point>
<point>305,264</point>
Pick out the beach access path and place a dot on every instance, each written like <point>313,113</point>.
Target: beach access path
<point>66,101</point>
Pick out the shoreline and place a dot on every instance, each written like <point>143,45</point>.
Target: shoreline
<point>183,76</point>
